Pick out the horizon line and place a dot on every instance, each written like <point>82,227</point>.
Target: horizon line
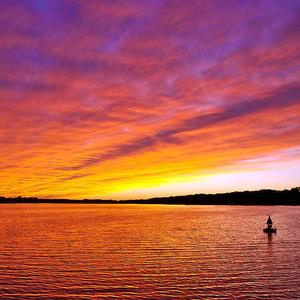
<point>151,198</point>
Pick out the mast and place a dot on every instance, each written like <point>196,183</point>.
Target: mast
<point>269,222</point>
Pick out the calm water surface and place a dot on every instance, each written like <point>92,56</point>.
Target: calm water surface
<point>50,251</point>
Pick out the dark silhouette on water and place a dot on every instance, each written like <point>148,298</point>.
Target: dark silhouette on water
<point>270,229</point>
<point>261,197</point>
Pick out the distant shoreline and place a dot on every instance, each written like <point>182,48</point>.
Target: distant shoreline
<point>261,197</point>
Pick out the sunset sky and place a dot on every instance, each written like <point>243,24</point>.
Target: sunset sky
<point>134,99</point>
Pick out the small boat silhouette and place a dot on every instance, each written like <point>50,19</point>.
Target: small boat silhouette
<point>270,228</point>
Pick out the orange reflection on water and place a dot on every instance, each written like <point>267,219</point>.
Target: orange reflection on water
<point>146,251</point>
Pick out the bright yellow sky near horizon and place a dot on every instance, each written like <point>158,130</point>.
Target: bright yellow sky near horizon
<point>145,99</point>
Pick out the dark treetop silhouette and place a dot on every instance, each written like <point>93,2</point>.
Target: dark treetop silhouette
<point>261,197</point>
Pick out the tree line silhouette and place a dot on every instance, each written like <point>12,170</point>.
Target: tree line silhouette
<point>261,197</point>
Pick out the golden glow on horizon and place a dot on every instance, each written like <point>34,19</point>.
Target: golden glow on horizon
<point>157,107</point>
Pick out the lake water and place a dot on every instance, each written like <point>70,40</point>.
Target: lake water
<point>67,251</point>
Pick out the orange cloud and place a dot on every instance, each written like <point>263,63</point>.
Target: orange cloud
<point>100,99</point>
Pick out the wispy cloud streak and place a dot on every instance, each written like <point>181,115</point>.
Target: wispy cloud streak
<point>93,91</point>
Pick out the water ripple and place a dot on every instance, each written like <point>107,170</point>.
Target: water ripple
<point>147,252</point>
